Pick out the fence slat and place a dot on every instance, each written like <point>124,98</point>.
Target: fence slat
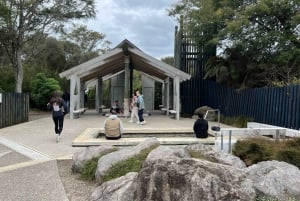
<point>14,109</point>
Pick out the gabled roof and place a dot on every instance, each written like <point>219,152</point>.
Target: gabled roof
<point>113,61</point>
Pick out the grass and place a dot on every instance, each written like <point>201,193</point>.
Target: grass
<point>267,198</point>
<point>256,149</point>
<point>239,122</point>
<point>133,164</point>
<point>89,169</point>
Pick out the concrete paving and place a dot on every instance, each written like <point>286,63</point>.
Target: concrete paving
<point>28,152</point>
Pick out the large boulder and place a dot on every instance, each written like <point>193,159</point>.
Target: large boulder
<point>120,189</point>
<point>106,162</point>
<point>212,154</point>
<point>81,157</point>
<point>211,116</point>
<point>275,179</point>
<point>189,179</point>
<point>168,152</point>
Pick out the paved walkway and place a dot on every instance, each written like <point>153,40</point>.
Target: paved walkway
<point>28,153</point>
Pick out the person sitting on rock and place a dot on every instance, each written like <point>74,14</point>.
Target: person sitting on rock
<point>113,127</point>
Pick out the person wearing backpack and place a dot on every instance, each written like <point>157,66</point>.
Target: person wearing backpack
<point>59,110</point>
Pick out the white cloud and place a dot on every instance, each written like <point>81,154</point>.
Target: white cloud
<point>144,23</point>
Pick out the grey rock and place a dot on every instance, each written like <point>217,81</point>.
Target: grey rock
<point>81,157</point>
<point>275,179</point>
<point>211,116</point>
<point>162,152</point>
<point>107,161</point>
<point>185,179</point>
<point>212,154</point>
<point>120,189</point>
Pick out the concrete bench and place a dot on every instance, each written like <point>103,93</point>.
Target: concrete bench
<point>173,113</point>
<point>164,110</point>
<point>101,108</point>
<point>78,112</point>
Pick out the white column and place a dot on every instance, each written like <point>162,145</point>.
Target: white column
<point>99,94</point>
<point>177,100</point>
<point>74,94</point>
<point>163,94</point>
<point>167,91</point>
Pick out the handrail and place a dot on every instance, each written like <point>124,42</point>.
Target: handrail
<point>214,110</point>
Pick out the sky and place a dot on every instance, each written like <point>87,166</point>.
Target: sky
<point>143,22</point>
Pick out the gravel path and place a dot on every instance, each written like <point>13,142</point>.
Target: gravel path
<point>75,188</point>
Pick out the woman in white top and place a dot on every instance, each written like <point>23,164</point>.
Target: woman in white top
<point>134,108</point>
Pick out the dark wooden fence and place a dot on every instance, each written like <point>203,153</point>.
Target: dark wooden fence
<point>279,106</point>
<point>14,108</point>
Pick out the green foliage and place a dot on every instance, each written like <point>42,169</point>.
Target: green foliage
<point>239,122</point>
<point>259,40</point>
<point>42,89</point>
<point>35,17</point>
<point>253,150</point>
<point>130,165</point>
<point>290,152</point>
<point>294,81</point>
<point>89,170</point>
<point>268,198</point>
<point>7,79</point>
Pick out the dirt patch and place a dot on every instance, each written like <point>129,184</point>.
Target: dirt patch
<point>75,188</point>
<point>35,114</point>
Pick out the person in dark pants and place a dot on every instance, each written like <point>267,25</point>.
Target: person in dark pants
<point>141,107</point>
<point>201,127</point>
<point>58,107</point>
<point>66,97</point>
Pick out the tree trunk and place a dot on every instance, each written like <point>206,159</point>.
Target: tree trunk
<point>18,72</point>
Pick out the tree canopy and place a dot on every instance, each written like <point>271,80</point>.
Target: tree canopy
<point>20,21</point>
<point>258,40</point>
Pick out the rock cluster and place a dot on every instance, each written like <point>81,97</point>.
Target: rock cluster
<point>189,173</point>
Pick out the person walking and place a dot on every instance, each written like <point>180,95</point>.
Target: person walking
<point>141,107</point>
<point>66,97</point>
<point>201,127</point>
<point>113,127</point>
<point>134,108</point>
<point>58,107</point>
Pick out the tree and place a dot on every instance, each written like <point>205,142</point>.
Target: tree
<point>259,39</point>
<point>88,40</point>
<point>42,89</point>
<point>89,44</point>
<point>21,20</point>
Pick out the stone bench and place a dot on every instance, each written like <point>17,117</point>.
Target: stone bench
<point>133,136</point>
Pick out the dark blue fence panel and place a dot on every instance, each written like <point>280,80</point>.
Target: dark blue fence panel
<point>278,106</point>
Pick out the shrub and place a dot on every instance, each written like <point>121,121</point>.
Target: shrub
<point>42,89</point>
<point>253,150</point>
<point>239,122</point>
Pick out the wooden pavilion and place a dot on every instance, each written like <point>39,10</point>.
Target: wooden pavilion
<point>120,62</point>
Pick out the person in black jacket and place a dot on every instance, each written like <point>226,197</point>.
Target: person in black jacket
<point>59,109</point>
<point>201,127</point>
